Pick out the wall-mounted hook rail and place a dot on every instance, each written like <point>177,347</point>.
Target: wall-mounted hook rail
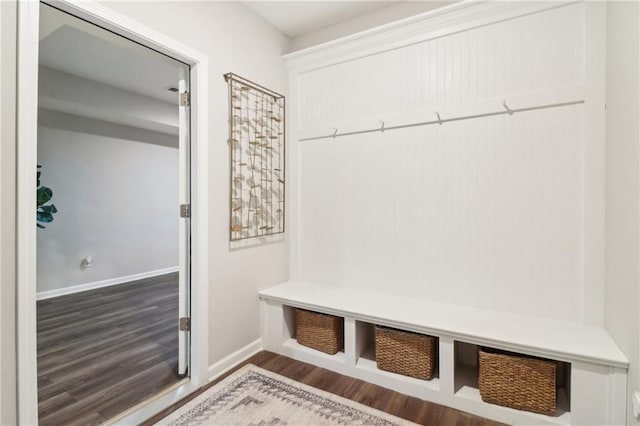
<point>439,120</point>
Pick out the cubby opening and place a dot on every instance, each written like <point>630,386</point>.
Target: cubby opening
<point>466,368</point>
<point>365,346</point>
<point>457,386</point>
<point>466,378</point>
<point>289,314</point>
<point>365,342</point>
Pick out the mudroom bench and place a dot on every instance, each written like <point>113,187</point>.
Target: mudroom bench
<point>591,369</point>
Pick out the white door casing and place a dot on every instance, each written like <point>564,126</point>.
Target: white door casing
<point>184,235</point>
<point>27,111</point>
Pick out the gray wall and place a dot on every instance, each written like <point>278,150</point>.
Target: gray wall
<point>235,40</point>
<point>117,202</point>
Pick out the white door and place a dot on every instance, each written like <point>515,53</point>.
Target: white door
<point>184,263</point>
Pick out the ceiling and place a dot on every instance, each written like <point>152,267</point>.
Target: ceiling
<point>296,18</point>
<point>94,81</point>
<point>73,46</point>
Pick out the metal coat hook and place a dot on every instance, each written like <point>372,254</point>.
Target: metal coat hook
<point>509,110</point>
<point>474,113</point>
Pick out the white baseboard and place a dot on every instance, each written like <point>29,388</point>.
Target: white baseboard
<point>228,362</point>
<point>104,283</point>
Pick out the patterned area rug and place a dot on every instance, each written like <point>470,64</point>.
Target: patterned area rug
<point>256,397</point>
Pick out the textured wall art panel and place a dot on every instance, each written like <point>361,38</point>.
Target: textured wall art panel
<point>257,155</point>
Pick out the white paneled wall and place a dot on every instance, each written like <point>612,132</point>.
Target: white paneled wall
<point>496,61</point>
<point>483,212</point>
<point>486,212</point>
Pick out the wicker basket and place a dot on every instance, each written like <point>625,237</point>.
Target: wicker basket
<point>320,331</point>
<point>405,353</point>
<point>517,381</point>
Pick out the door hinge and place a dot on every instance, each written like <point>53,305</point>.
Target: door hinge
<point>185,324</point>
<point>185,210</point>
<point>185,99</point>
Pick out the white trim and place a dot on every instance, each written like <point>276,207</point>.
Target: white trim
<point>27,140</point>
<point>293,176</point>
<point>230,361</point>
<point>104,283</point>
<point>419,28</point>
<point>111,20</point>
<point>27,145</point>
<point>569,341</point>
<point>593,255</point>
<point>199,220</point>
<point>598,367</point>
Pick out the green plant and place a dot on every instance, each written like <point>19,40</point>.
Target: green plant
<point>44,213</point>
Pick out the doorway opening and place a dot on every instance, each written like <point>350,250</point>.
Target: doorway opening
<point>113,237</point>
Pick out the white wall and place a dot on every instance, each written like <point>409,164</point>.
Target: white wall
<point>236,40</point>
<point>7,212</point>
<point>622,302</point>
<point>487,212</point>
<point>379,17</point>
<point>481,213</point>
<point>445,72</point>
<point>117,202</point>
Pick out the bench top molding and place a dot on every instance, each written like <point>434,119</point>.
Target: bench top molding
<point>559,340</point>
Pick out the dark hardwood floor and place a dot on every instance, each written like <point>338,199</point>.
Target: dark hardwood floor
<point>407,407</point>
<point>101,352</point>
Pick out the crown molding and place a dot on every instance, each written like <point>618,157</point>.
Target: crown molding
<point>426,26</point>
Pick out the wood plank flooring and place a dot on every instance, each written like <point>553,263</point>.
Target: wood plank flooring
<point>407,407</point>
<point>103,351</point>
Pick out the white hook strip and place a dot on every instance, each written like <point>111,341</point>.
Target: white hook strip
<point>439,120</point>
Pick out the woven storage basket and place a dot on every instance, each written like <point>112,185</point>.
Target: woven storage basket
<point>517,381</point>
<point>405,353</point>
<point>320,331</point>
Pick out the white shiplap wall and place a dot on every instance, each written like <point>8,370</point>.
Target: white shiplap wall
<point>486,212</point>
<point>496,61</point>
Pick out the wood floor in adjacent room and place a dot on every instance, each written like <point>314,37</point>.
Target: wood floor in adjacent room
<point>407,407</point>
<point>101,352</point>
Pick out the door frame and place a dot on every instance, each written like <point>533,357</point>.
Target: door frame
<point>27,119</point>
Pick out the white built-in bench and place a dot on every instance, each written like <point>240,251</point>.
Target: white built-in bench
<point>595,369</point>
